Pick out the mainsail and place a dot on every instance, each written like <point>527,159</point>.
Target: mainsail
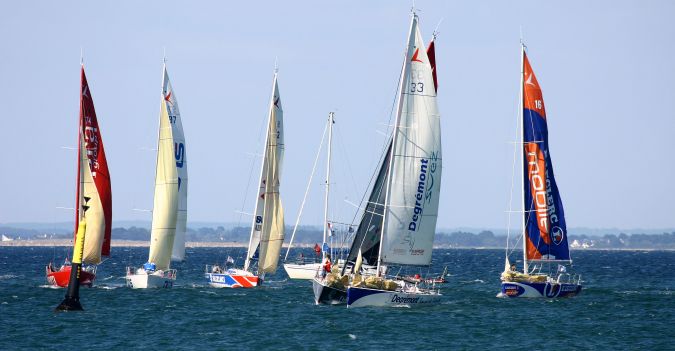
<point>411,208</point>
<point>170,151</point>
<point>267,231</point>
<point>93,181</point>
<point>545,228</point>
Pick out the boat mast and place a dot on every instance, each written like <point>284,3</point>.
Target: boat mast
<point>325,204</point>
<point>522,151</point>
<point>403,81</point>
<point>78,192</point>
<point>267,142</point>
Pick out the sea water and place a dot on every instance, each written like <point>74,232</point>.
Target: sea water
<point>627,302</point>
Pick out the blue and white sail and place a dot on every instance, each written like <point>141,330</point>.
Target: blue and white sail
<point>413,188</point>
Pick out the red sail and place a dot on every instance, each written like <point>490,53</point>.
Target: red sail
<point>431,53</point>
<point>90,134</point>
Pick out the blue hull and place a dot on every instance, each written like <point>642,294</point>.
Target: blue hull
<point>546,289</point>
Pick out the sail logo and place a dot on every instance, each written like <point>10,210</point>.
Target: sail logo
<point>538,177</point>
<point>419,204</point>
<point>557,234</point>
<point>415,58</point>
<point>179,152</point>
<point>91,142</point>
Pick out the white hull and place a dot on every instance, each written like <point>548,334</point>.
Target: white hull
<point>302,271</point>
<point>141,279</point>
<point>363,297</point>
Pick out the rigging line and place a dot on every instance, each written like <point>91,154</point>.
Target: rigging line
<point>297,221</point>
<point>387,141</point>
<point>346,159</point>
<point>513,178</point>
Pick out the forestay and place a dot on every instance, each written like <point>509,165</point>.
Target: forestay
<point>415,173</point>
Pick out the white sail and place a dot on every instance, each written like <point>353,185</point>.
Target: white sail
<point>415,172</point>
<point>179,147</point>
<point>166,199</point>
<point>95,230</point>
<point>267,233</point>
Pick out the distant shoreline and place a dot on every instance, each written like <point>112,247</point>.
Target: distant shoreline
<point>194,244</point>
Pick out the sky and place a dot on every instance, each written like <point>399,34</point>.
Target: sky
<point>607,70</point>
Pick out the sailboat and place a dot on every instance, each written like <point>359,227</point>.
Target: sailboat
<point>411,190</point>
<point>169,215</point>
<point>544,230</point>
<point>267,227</point>
<point>93,182</point>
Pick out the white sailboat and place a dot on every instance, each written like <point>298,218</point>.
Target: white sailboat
<point>403,225</point>
<point>267,228</point>
<point>167,237</point>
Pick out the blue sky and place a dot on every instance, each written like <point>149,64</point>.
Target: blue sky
<point>607,69</point>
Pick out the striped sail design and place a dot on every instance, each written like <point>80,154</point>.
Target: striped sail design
<point>415,172</point>
<point>272,226</point>
<point>165,206</point>
<point>93,181</point>
<point>545,228</point>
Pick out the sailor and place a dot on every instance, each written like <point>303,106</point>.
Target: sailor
<point>327,264</point>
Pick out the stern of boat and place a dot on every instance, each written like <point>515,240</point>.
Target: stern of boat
<point>139,278</point>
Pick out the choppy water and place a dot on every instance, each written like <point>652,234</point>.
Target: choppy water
<point>628,302</point>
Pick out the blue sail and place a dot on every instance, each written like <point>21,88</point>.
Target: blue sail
<point>545,227</point>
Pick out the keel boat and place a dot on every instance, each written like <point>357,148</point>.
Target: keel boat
<point>267,229</point>
<point>93,183</point>
<point>169,216</point>
<point>546,254</point>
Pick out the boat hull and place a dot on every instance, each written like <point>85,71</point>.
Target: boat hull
<point>327,295</point>
<point>362,297</point>
<point>227,280</point>
<point>302,271</point>
<point>151,280</point>
<point>61,278</point>
<point>539,289</point>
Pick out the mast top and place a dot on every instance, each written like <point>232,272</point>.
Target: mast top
<point>436,32</point>
<point>81,56</point>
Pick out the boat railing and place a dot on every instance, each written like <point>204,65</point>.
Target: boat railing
<point>568,278</point>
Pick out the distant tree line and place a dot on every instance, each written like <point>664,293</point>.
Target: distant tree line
<point>311,235</point>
